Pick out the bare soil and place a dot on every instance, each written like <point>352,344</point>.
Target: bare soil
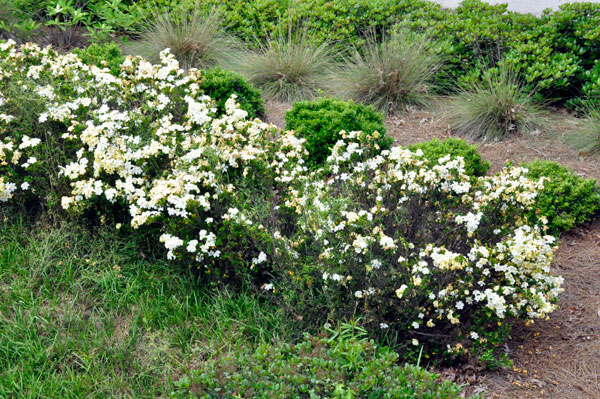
<point>558,358</point>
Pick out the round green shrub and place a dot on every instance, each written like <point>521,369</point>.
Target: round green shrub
<point>435,149</point>
<point>339,365</point>
<point>320,123</point>
<point>567,199</point>
<point>219,85</point>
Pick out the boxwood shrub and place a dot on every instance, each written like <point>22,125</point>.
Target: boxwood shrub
<point>435,149</point>
<point>567,199</point>
<point>219,85</point>
<point>106,55</point>
<point>320,123</point>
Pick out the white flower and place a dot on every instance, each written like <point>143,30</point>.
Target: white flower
<point>387,242</point>
<point>171,243</point>
<point>400,291</point>
<point>383,326</point>
<point>260,259</point>
<point>471,220</point>
<point>191,247</point>
<point>474,335</point>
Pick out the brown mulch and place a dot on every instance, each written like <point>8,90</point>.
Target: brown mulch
<point>558,358</point>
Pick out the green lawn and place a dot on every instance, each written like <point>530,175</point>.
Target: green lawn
<point>82,314</point>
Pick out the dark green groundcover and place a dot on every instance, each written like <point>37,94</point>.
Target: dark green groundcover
<point>339,365</point>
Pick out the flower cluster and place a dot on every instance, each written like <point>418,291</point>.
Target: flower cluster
<point>16,157</point>
<point>150,142</point>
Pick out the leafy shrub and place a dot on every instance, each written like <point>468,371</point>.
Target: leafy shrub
<point>351,23</point>
<point>590,91</point>
<point>107,55</point>
<point>69,23</point>
<point>567,199</point>
<point>495,108</point>
<point>342,364</point>
<point>196,39</point>
<point>435,149</point>
<point>220,85</point>
<point>419,251</point>
<point>287,69</point>
<point>389,75</point>
<point>321,122</point>
<point>475,36</point>
<point>565,48</point>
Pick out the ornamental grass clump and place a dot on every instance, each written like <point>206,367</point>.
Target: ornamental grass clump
<point>495,107</point>
<point>196,39</point>
<point>587,139</point>
<point>288,68</point>
<point>389,75</point>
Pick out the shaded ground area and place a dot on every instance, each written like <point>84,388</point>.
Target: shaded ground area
<point>557,358</point>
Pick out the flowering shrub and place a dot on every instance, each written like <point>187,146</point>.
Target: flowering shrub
<point>419,249</point>
<point>416,248</point>
<point>148,142</point>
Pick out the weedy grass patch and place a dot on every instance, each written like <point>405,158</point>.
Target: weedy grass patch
<point>88,313</point>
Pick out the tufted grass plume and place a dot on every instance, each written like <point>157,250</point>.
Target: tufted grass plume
<point>389,75</point>
<point>197,40</point>
<point>288,68</point>
<point>587,139</point>
<point>496,107</point>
